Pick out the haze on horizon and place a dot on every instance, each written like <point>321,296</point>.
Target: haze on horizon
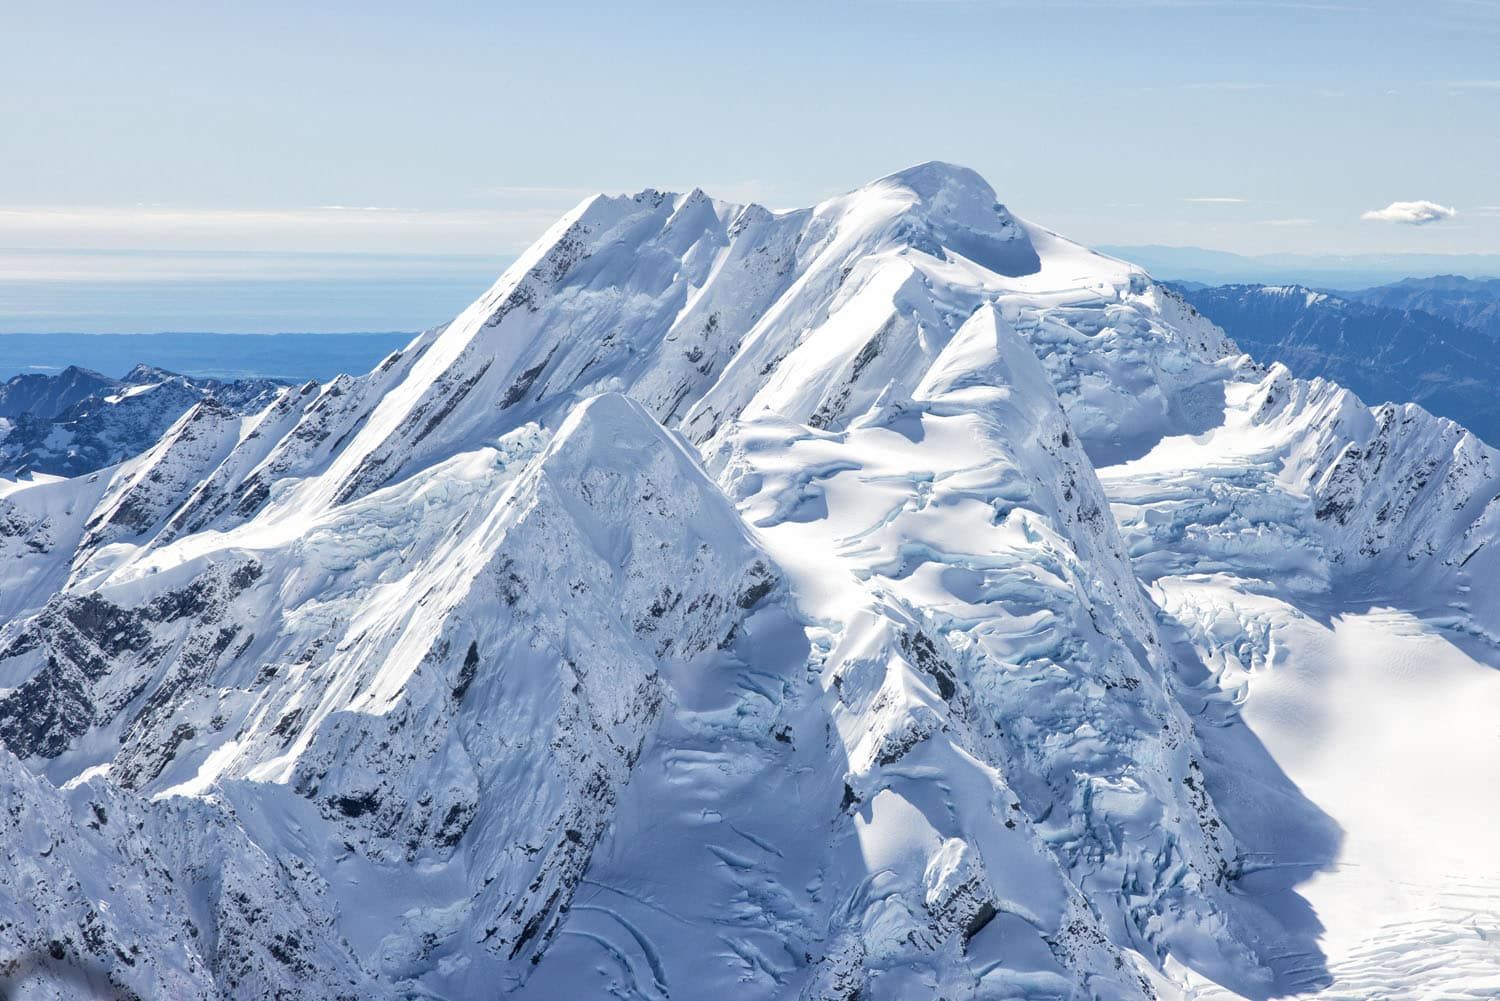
<point>232,144</point>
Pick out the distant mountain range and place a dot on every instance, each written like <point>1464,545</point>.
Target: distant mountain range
<point>1471,302</point>
<point>79,420</point>
<point>293,357</point>
<point>1431,340</point>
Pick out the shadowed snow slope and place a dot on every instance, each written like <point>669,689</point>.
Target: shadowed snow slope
<point>888,599</point>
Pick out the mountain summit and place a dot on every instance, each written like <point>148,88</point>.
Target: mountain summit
<point>878,600</point>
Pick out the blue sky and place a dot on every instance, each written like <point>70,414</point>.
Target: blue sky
<point>465,128</point>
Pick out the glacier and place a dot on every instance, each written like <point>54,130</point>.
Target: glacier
<point>887,599</point>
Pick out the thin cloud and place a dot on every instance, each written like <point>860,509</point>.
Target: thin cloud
<point>1417,213</point>
<point>528,191</point>
<point>1233,85</point>
<point>330,227</point>
<point>1307,5</point>
<point>1147,4</point>
<point>1216,200</point>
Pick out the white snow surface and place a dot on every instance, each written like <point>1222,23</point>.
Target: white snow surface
<point>888,599</point>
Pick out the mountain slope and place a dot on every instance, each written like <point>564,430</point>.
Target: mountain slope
<point>1317,563</point>
<point>730,602</point>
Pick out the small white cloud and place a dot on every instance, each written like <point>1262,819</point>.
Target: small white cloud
<point>1216,201</point>
<point>1418,213</point>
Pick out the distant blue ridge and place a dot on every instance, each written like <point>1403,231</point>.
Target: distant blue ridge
<point>291,356</point>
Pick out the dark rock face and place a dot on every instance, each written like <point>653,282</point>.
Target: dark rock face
<point>179,903</point>
<point>99,658</point>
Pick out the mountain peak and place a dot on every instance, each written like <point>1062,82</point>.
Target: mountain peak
<point>953,208</point>
<point>934,178</point>
<point>143,373</point>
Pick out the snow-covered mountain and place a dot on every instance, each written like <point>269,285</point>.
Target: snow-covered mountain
<point>78,420</point>
<point>887,599</point>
